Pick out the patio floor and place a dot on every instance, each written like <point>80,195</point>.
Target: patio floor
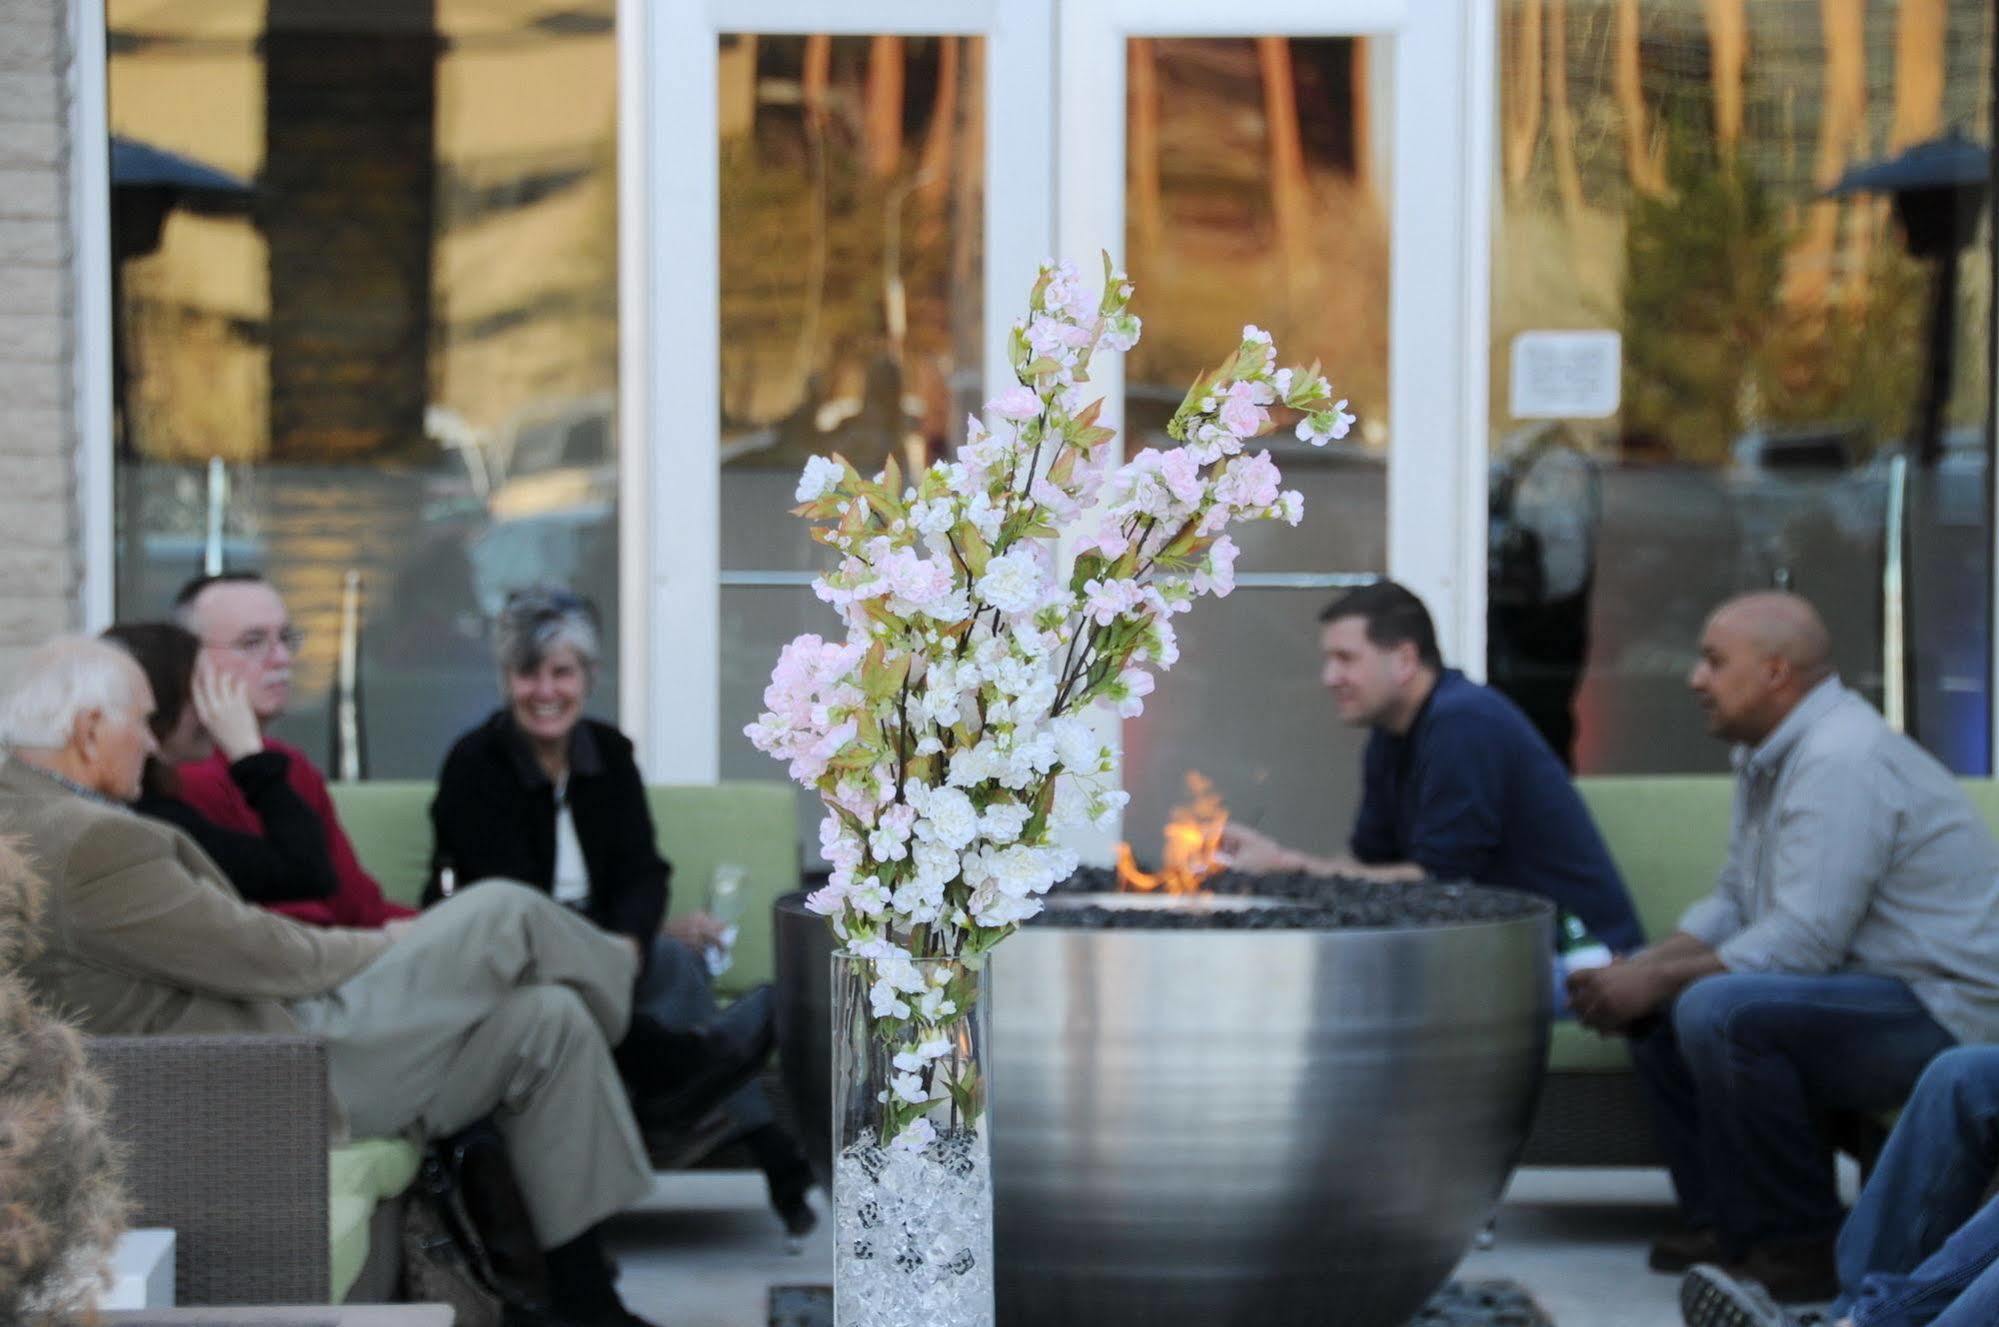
<point>705,1249</point>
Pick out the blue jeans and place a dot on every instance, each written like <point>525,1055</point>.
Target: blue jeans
<point>1739,1073</point>
<point>1921,1244</point>
<point>675,988</point>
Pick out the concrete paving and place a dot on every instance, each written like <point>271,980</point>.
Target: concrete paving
<point>704,1250</point>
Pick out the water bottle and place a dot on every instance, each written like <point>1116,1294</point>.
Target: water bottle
<point>725,905</point>
<point>1578,949</point>
<point>1575,949</point>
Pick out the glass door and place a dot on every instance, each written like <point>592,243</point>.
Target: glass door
<point>1303,167</point>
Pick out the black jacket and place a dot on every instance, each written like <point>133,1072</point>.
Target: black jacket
<point>494,815</point>
<point>287,863</point>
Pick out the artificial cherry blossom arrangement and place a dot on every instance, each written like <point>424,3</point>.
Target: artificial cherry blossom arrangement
<point>989,603</point>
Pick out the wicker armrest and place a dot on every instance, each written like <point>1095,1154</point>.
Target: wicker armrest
<point>225,1143</point>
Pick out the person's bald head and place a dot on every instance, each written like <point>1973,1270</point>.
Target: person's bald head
<point>1760,654</point>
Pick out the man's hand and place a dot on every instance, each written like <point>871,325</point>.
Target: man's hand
<point>1611,998</point>
<point>222,703</point>
<point>1246,849</point>
<point>696,930</point>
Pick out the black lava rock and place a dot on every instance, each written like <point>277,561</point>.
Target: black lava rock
<point>1298,902</point>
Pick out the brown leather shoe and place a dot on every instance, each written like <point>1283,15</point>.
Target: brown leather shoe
<point>1679,1250</point>
<point>1794,1271</point>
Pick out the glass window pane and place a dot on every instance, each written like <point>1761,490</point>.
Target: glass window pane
<point>1257,191</point>
<point>388,347</point>
<point>852,197</point>
<point>1663,174</point>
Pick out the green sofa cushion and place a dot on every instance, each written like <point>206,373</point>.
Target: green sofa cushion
<point>750,822</point>
<point>373,1168</point>
<point>389,822</point>
<point>360,1175</point>
<point>349,1215</point>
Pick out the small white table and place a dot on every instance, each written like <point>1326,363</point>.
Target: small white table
<point>142,1271</point>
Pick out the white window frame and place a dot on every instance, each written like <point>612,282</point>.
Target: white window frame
<point>88,87</point>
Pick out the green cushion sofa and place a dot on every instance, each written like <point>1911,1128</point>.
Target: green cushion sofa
<point>1668,834</point>
<point>750,823</point>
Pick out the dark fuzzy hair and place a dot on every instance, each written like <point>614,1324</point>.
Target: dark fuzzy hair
<point>1394,616</point>
<point>166,653</point>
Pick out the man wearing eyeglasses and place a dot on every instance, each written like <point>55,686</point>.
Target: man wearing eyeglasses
<point>245,630</point>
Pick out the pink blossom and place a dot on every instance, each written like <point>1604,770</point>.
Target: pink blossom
<point>1057,500</point>
<point>1181,474</point>
<point>1218,576</point>
<point>1017,402</point>
<point>915,580</point>
<point>1248,483</point>
<point>1240,414</point>
<point>1106,601</point>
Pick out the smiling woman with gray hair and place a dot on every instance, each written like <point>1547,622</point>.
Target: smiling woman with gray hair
<point>543,794</point>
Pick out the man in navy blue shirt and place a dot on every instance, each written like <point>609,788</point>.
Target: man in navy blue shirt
<point>1457,784</point>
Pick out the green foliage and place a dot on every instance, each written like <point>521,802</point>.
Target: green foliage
<point>1703,267</point>
<point>1713,346</point>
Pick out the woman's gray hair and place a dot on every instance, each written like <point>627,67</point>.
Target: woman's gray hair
<point>68,677</point>
<point>539,619</point>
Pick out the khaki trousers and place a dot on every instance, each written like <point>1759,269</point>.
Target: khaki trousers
<point>498,1002</point>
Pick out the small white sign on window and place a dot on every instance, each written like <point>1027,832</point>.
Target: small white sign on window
<point>1566,375</point>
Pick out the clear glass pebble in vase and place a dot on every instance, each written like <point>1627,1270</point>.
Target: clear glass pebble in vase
<point>912,1178</point>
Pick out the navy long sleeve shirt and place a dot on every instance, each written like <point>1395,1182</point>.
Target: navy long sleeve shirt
<point>1473,792</point>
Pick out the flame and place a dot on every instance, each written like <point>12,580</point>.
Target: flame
<point>1193,844</point>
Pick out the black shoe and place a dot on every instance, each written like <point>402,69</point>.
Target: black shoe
<point>678,1149</point>
<point>678,1075</point>
<point>788,1199</point>
<point>787,1174</point>
<point>1680,1250</point>
<point>582,1286</point>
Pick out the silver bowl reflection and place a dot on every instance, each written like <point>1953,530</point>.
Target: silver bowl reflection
<point>1233,1126</point>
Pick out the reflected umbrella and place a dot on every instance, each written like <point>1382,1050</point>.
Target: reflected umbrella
<point>1939,190</point>
<point>147,183</point>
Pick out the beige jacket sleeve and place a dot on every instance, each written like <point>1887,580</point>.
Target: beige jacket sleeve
<point>142,899</point>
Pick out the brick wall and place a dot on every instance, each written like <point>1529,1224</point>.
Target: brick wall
<point>39,519</point>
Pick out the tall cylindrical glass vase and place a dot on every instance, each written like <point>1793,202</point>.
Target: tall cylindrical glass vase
<point>912,1181</point>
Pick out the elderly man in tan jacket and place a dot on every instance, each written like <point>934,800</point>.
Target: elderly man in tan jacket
<point>497,1003</point>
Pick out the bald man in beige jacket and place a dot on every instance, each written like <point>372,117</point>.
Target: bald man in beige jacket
<point>496,1003</point>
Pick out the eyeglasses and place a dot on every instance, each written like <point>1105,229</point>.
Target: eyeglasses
<point>258,644</point>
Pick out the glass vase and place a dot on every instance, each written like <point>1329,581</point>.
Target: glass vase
<point>912,1181</point>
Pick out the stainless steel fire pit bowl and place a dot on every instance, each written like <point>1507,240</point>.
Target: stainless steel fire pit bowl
<point>1237,1125</point>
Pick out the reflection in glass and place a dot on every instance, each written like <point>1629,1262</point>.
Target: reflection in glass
<point>1663,168</point>
<point>852,184</point>
<point>1257,191</point>
<point>401,350</point>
